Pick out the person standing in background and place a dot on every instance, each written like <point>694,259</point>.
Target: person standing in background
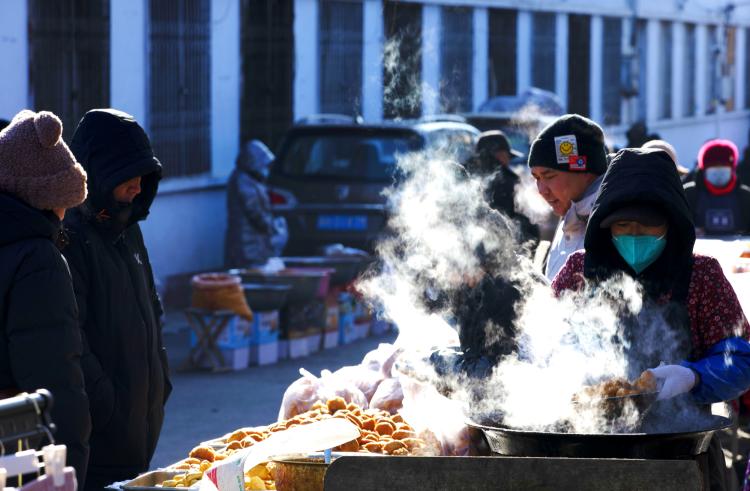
<point>253,235</point>
<point>492,162</point>
<point>719,201</point>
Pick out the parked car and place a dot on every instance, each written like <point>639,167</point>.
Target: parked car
<point>521,117</point>
<point>329,175</point>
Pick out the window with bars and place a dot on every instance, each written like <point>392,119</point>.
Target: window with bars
<point>267,44</point>
<point>612,76</point>
<point>543,47</point>
<point>69,58</point>
<point>642,64</point>
<point>579,59</point>
<point>402,60</point>
<point>729,70</point>
<point>179,85</point>
<point>688,92</point>
<point>340,56</point>
<point>503,26</point>
<point>665,69</point>
<point>713,70</point>
<point>456,59</point>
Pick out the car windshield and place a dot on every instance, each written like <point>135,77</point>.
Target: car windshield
<point>458,143</point>
<point>347,156</point>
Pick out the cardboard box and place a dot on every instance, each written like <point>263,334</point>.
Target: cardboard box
<point>314,341</point>
<point>283,349</point>
<point>298,348</point>
<point>362,330</point>
<point>265,327</point>
<point>264,354</point>
<point>236,334</point>
<point>330,339</point>
<point>347,333</point>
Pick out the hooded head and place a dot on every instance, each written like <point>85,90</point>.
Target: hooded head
<point>717,163</point>
<point>113,148</point>
<point>255,159</point>
<point>671,151</point>
<point>642,179</point>
<point>36,165</point>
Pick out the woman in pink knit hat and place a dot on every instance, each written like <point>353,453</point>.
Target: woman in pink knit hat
<point>40,345</point>
<point>720,202</point>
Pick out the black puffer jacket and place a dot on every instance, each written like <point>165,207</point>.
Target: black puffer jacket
<point>124,360</point>
<point>40,343</point>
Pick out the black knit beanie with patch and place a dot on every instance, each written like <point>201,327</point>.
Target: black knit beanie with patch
<point>571,143</point>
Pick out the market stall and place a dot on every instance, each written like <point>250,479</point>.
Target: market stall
<point>395,431</point>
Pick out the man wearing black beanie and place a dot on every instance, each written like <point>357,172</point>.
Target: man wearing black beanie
<point>568,160</point>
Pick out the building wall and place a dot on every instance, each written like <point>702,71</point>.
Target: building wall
<point>185,231</point>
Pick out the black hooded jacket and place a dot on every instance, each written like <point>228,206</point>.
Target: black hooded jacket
<point>654,181</point>
<point>40,343</point>
<point>651,181</point>
<point>124,361</point>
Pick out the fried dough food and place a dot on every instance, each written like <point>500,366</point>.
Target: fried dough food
<point>619,387</point>
<point>379,432</point>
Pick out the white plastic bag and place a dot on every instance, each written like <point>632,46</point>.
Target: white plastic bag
<point>389,396</point>
<point>332,386</point>
<point>427,410</point>
<point>300,396</point>
<point>382,359</point>
<point>361,377</point>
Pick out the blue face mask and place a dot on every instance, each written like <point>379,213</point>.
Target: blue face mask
<point>639,251</point>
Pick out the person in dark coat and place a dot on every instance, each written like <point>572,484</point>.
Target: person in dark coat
<point>40,346</point>
<point>719,201</point>
<point>250,223</point>
<point>641,226</point>
<point>491,161</point>
<point>124,360</point>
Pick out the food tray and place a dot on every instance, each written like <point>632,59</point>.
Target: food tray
<point>149,480</point>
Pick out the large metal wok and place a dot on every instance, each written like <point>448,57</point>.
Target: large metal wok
<point>511,442</point>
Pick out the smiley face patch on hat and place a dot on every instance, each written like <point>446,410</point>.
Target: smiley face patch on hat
<point>565,146</point>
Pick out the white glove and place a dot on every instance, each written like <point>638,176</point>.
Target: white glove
<point>675,379</point>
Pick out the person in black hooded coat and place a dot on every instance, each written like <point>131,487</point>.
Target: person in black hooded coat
<point>700,322</point>
<point>40,342</point>
<point>124,360</point>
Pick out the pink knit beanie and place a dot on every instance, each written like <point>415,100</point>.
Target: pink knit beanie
<point>36,164</point>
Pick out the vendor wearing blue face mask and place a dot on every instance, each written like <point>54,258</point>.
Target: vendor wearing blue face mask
<point>719,201</point>
<point>641,226</point>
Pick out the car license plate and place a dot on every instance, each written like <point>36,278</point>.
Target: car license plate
<point>342,222</point>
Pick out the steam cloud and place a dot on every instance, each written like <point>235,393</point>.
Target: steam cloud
<point>443,237</point>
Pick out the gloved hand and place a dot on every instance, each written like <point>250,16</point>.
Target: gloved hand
<point>675,380</point>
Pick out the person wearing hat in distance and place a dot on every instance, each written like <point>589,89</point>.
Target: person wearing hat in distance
<point>720,202</point>
<point>491,161</point>
<point>670,150</point>
<point>40,346</point>
<point>568,159</point>
<point>124,360</point>
<point>641,226</point>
